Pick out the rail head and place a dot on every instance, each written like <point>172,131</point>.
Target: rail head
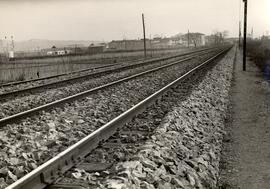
<point>49,171</point>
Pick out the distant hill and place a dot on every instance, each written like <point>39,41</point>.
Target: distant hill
<point>34,44</point>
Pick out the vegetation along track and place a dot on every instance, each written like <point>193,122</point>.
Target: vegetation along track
<point>10,91</point>
<point>34,103</point>
<point>29,155</point>
<point>16,85</point>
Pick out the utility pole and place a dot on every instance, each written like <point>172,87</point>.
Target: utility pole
<point>188,38</point>
<point>245,35</point>
<point>144,41</point>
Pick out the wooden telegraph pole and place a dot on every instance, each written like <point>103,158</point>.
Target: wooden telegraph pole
<point>144,41</point>
<point>245,35</point>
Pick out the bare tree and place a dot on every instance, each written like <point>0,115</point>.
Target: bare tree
<point>220,36</point>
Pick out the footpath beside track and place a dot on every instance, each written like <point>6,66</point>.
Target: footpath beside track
<point>245,156</point>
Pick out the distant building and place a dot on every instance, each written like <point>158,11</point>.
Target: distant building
<point>162,43</point>
<point>95,49</point>
<point>128,44</point>
<point>193,39</point>
<point>156,43</point>
<point>57,51</point>
<point>10,54</point>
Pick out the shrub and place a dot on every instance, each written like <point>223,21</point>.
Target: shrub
<point>259,52</point>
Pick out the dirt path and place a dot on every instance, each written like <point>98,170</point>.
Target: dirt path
<point>245,161</point>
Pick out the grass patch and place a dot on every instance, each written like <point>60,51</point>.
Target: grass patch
<point>259,51</point>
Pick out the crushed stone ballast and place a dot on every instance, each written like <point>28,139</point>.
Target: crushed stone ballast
<point>62,154</point>
<point>184,151</point>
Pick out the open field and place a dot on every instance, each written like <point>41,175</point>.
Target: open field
<point>27,69</point>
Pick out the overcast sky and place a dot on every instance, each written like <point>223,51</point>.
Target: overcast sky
<point>118,19</point>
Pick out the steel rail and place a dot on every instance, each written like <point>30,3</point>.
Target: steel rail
<point>48,172</point>
<point>74,79</point>
<point>27,113</point>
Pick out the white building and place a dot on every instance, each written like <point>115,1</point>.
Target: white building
<point>58,52</point>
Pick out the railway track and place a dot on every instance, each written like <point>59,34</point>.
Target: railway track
<point>26,113</point>
<point>67,81</point>
<point>47,173</point>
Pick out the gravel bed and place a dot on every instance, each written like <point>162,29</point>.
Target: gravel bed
<point>30,143</point>
<point>31,101</point>
<point>183,150</point>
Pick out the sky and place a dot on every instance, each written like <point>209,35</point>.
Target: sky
<point>106,20</point>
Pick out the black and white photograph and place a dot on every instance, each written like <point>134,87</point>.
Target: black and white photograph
<point>134,94</point>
